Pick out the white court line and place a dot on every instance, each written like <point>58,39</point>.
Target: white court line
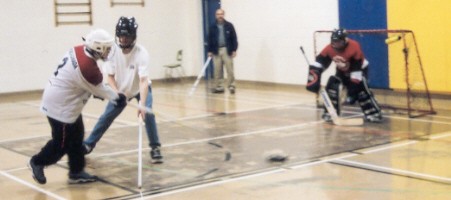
<point>240,99</point>
<point>396,171</point>
<point>212,184</point>
<point>220,182</point>
<point>30,185</point>
<point>439,136</point>
<point>164,116</point>
<point>213,138</point>
<point>338,159</point>
<point>390,147</point>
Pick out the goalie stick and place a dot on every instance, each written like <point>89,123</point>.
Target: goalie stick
<point>333,113</point>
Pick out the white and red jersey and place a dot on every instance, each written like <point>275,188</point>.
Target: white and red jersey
<point>128,69</point>
<point>71,85</point>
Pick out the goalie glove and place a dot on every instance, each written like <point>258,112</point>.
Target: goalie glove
<point>314,79</point>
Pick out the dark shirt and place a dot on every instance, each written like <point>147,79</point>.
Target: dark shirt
<point>231,41</point>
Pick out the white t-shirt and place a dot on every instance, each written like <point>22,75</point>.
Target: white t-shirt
<point>71,85</point>
<point>128,68</point>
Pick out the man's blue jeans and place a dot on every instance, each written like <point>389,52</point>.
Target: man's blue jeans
<point>111,112</point>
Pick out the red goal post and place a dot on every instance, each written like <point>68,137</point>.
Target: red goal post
<point>407,91</point>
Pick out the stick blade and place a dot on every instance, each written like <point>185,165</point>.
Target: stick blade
<point>348,122</point>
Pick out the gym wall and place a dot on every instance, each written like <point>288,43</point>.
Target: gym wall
<point>32,46</point>
<point>270,33</point>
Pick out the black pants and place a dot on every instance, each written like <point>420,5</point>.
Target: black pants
<point>66,138</point>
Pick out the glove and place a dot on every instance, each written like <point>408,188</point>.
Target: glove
<point>314,79</point>
<point>121,101</point>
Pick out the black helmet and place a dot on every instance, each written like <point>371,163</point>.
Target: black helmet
<point>339,34</point>
<point>126,26</point>
<point>338,39</point>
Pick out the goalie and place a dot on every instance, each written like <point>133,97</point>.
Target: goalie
<point>351,73</point>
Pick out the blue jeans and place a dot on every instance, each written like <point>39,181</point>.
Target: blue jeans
<point>111,112</point>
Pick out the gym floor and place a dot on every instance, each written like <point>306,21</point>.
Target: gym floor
<point>216,146</point>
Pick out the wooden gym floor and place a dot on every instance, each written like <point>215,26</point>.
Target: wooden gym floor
<point>215,146</point>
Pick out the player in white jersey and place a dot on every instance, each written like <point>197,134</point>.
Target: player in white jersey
<point>68,90</point>
<point>128,68</point>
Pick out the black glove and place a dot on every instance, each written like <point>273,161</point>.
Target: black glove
<point>314,79</point>
<point>121,101</point>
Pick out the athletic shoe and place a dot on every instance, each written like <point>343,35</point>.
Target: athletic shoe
<point>81,177</point>
<point>326,117</point>
<point>38,172</point>
<point>232,89</point>
<point>87,149</point>
<point>155,155</point>
<point>218,90</point>
<point>374,118</point>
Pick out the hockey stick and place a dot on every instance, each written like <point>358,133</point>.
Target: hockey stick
<point>199,76</point>
<point>303,53</point>
<point>333,113</point>
<point>142,108</point>
<point>140,160</point>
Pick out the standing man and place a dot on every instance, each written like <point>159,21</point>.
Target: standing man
<point>68,90</point>
<point>128,69</point>
<point>351,72</point>
<point>222,46</point>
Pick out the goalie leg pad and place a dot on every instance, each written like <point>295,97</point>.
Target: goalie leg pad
<point>368,103</point>
<point>333,89</point>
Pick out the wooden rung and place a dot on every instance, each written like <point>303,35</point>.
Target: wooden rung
<point>127,3</point>
<point>73,4</point>
<point>73,22</point>
<point>73,13</point>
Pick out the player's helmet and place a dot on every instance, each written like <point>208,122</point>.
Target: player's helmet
<point>98,43</point>
<point>338,39</point>
<point>126,26</point>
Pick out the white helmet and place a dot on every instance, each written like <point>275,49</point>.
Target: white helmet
<point>98,43</point>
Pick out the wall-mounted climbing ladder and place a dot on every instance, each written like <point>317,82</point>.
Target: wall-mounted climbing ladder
<point>68,12</point>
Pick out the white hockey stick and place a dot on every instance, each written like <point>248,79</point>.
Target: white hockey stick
<point>140,146</point>
<point>333,113</point>
<point>199,76</point>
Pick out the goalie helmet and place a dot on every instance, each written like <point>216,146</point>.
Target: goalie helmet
<point>338,39</point>
<point>98,43</point>
<point>126,26</point>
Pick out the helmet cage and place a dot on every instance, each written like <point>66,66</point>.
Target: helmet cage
<point>98,43</point>
<point>338,39</point>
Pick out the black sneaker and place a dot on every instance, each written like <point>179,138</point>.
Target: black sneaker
<point>87,149</point>
<point>232,89</point>
<point>155,156</point>
<point>81,177</point>
<point>218,90</point>
<point>38,172</point>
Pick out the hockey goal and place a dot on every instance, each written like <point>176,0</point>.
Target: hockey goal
<point>395,73</point>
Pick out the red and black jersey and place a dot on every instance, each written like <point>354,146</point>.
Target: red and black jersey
<point>349,59</point>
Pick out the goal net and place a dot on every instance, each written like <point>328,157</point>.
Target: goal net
<point>395,73</point>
